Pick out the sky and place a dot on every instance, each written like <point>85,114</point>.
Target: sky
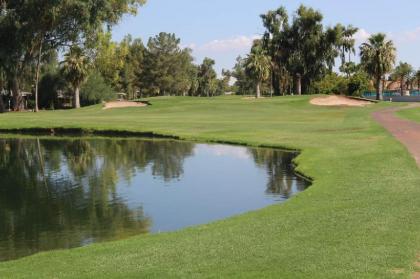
<point>224,29</point>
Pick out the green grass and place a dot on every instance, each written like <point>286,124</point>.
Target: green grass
<point>411,114</point>
<point>360,219</point>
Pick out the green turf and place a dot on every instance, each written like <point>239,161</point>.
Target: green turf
<point>411,114</point>
<point>360,219</point>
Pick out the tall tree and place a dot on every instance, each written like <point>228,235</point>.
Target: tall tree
<point>345,45</point>
<point>346,41</point>
<point>167,67</point>
<point>311,50</point>
<point>75,69</point>
<point>207,77</point>
<point>107,61</point>
<point>134,66</point>
<point>243,83</point>
<point>125,82</point>
<point>225,80</point>
<point>258,66</point>
<point>28,28</point>
<point>402,74</point>
<point>378,57</point>
<point>276,24</point>
<point>303,49</point>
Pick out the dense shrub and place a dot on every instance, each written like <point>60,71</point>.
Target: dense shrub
<point>49,85</point>
<point>358,84</point>
<point>95,90</point>
<point>331,84</point>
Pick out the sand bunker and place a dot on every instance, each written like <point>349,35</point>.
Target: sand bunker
<point>339,101</point>
<point>123,104</point>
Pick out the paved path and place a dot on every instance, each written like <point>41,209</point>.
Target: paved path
<point>406,131</point>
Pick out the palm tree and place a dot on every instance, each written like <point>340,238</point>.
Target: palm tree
<point>75,69</point>
<point>345,41</point>
<point>402,73</point>
<point>378,58</point>
<point>258,66</point>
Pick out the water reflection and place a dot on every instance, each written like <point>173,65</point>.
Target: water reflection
<point>57,194</point>
<point>279,166</point>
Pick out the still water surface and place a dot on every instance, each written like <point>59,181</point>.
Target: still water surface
<point>58,194</point>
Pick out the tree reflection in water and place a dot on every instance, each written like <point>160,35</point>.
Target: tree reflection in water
<point>62,194</point>
<point>279,166</point>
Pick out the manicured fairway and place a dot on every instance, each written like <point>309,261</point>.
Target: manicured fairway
<point>360,219</point>
<point>411,114</point>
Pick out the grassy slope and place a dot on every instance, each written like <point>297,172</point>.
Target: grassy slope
<point>359,220</point>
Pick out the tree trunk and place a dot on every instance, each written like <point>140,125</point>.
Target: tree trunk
<point>379,95</point>
<point>258,90</point>
<point>271,84</point>
<point>298,84</point>
<point>38,69</point>
<point>17,96</point>
<point>285,87</point>
<point>76,98</point>
<point>271,91</point>
<point>402,87</point>
<point>1,103</point>
<point>276,83</point>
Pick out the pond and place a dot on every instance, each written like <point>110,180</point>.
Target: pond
<point>65,193</point>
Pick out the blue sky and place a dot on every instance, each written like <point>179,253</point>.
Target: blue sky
<point>224,29</point>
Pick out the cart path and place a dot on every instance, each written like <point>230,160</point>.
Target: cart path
<point>406,131</point>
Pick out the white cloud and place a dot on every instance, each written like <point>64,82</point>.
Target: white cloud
<point>361,35</point>
<point>403,37</point>
<point>191,46</point>
<point>409,36</point>
<point>238,43</point>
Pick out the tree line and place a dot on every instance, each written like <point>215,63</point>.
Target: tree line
<point>161,67</point>
<point>63,50</point>
<point>35,33</point>
<point>31,29</point>
<point>297,55</point>
<point>293,53</point>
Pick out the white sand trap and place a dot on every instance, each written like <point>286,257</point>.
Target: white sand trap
<point>339,101</point>
<point>123,104</point>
